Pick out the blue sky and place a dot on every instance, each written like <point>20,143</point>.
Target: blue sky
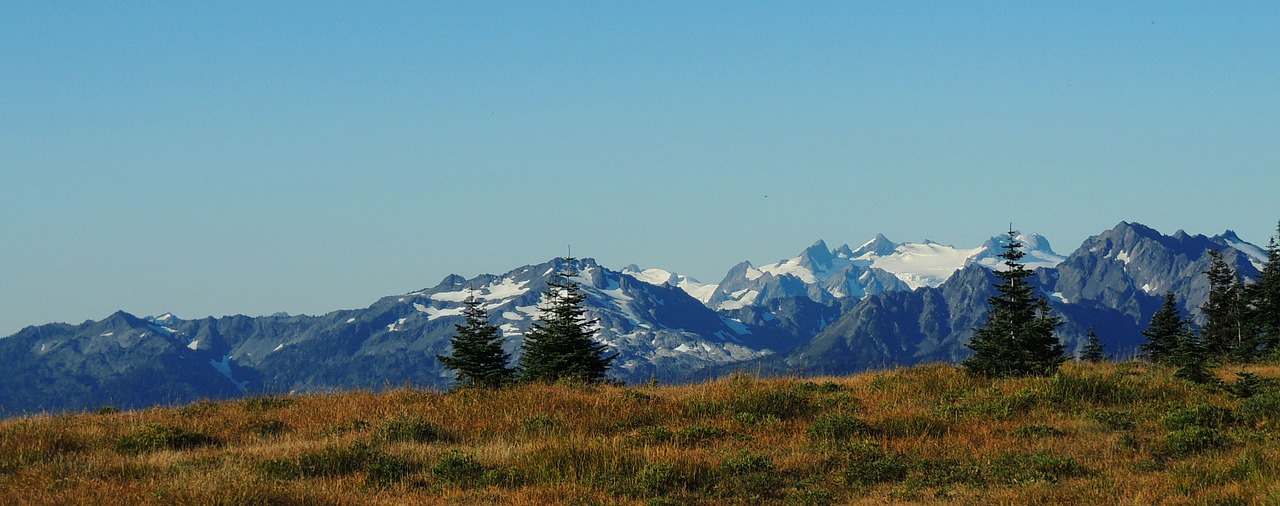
<point>212,158</point>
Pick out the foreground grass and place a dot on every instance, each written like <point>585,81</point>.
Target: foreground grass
<point>1101,434</point>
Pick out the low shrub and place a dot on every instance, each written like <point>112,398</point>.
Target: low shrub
<point>163,437</point>
<point>1201,415</point>
<point>410,429</point>
<point>1189,441</point>
<point>268,427</point>
<point>837,429</point>
<point>652,435</point>
<point>868,464</point>
<point>458,468</point>
<point>1042,466</point>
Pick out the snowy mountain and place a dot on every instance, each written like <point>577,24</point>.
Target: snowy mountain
<point>877,266</point>
<point>825,311</point>
<point>693,287</point>
<point>658,331</point>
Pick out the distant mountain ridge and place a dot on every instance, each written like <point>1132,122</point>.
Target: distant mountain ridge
<point>824,311</point>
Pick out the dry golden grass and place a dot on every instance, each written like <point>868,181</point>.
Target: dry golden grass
<point>1124,433</point>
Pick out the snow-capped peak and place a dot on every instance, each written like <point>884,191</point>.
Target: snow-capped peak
<point>1035,248</point>
<point>693,287</point>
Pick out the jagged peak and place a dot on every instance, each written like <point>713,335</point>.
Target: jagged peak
<point>817,255</point>
<point>879,246</point>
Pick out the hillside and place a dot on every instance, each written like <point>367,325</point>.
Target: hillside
<point>1125,433</point>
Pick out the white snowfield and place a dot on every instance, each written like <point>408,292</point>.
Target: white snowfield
<point>924,264</point>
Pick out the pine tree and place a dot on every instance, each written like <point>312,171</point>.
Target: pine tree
<point>1093,352</point>
<point>1163,332</point>
<point>1192,359</point>
<point>1223,333</point>
<point>1265,300</point>
<point>561,344</point>
<point>1017,339</point>
<point>478,357</point>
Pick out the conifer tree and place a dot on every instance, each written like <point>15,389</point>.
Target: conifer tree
<point>1223,333</point>
<point>478,357</point>
<point>1093,352</point>
<point>1265,298</point>
<point>1018,338</point>
<point>1163,332</point>
<point>561,344</point>
<point>1192,359</point>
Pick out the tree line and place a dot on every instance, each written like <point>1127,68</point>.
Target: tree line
<point>1241,323</point>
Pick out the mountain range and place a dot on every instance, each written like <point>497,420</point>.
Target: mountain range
<point>825,311</point>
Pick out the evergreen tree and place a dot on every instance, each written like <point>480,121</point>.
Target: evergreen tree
<point>1265,300</point>
<point>1017,339</point>
<point>1093,352</point>
<point>1163,332</point>
<point>1192,359</point>
<point>478,357</point>
<point>561,344</point>
<point>1223,333</point>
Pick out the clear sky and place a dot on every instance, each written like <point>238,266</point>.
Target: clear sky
<point>213,158</point>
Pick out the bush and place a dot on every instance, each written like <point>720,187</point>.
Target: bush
<point>1263,406</point>
<point>837,429</point>
<point>783,401</point>
<point>657,479</point>
<point>410,429</point>
<point>652,435</point>
<point>380,469</point>
<point>868,464</point>
<point>750,475</point>
<point>268,428</point>
<point>458,468</point>
<point>163,437</point>
<point>332,461</point>
<point>944,472</point>
<point>1202,415</point>
<point>1190,441</point>
<point>1043,466</point>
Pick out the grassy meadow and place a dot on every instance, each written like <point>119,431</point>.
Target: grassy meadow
<point>1127,433</point>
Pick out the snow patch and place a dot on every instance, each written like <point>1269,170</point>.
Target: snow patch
<point>1123,256</point>
<point>193,345</point>
<point>741,298</point>
<point>224,367</point>
<point>512,315</point>
<point>278,347</point>
<point>509,330</point>
<point>109,334</point>
<point>351,320</point>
